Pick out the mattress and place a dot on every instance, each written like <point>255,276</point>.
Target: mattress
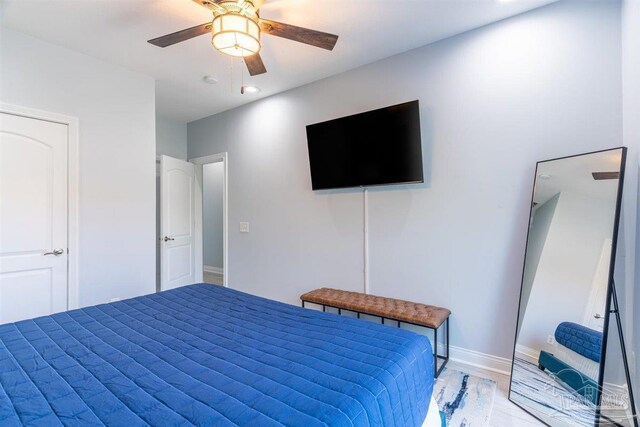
<point>577,361</point>
<point>207,355</point>
<point>582,340</point>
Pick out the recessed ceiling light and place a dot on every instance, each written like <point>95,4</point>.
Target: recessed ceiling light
<point>249,89</point>
<point>210,80</point>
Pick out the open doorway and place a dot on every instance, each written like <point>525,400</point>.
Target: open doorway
<point>213,222</point>
<point>211,218</point>
<point>192,219</point>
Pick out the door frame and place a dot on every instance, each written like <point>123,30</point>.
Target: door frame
<point>73,176</point>
<point>199,264</point>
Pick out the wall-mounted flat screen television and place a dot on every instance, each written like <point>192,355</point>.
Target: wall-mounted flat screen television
<point>378,147</point>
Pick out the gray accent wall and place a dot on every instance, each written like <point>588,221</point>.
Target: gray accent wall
<point>493,101</point>
<point>171,138</point>
<point>212,214</point>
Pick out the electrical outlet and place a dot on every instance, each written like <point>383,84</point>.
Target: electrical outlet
<point>550,340</point>
<point>244,227</point>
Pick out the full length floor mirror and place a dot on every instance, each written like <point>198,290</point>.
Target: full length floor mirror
<point>569,366</point>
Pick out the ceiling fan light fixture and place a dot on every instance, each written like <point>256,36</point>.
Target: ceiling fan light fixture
<point>236,35</point>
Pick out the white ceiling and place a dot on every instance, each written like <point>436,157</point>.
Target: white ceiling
<point>573,175</point>
<point>117,30</point>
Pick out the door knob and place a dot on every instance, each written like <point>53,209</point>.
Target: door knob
<point>166,238</point>
<point>598,316</point>
<point>56,252</point>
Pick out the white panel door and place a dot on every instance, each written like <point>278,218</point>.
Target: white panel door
<point>177,190</point>
<point>596,306</point>
<point>33,217</point>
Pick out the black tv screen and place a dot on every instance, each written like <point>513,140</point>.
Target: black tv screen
<point>374,148</point>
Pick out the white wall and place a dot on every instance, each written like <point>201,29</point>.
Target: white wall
<point>541,218</point>
<point>116,112</point>
<point>567,268</point>
<point>171,138</point>
<point>213,214</point>
<point>631,135</point>
<point>493,101</point>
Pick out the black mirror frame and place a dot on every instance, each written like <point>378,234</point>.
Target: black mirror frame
<point>611,296</point>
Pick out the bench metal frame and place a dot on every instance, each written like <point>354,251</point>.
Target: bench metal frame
<point>445,358</point>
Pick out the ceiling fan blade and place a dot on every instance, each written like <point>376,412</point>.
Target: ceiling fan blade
<point>298,34</point>
<point>599,176</point>
<point>255,64</point>
<point>180,36</point>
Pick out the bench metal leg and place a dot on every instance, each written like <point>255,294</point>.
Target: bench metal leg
<point>445,359</point>
<point>435,352</point>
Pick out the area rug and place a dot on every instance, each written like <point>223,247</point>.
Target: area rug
<point>465,399</point>
<point>547,398</point>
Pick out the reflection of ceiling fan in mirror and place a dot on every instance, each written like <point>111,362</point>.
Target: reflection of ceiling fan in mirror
<point>601,176</point>
<point>236,29</point>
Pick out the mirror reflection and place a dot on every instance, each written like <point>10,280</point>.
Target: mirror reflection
<point>564,290</point>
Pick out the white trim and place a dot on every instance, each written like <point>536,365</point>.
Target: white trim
<point>489,362</point>
<point>527,353</point>
<point>213,270</point>
<point>198,219</point>
<point>616,389</point>
<point>73,171</point>
<point>205,160</point>
<point>215,158</point>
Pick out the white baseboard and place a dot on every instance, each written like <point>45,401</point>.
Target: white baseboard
<point>215,270</point>
<point>528,354</point>
<point>489,362</point>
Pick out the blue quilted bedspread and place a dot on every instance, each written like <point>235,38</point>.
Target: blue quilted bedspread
<point>206,355</point>
<point>582,340</point>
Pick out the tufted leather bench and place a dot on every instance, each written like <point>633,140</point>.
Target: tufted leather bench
<point>401,311</point>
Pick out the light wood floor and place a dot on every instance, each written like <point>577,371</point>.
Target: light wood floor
<point>213,278</point>
<point>504,413</point>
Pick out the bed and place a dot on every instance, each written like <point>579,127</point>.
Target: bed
<point>208,355</point>
<point>575,359</point>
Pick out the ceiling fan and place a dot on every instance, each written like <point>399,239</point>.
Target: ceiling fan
<point>599,176</point>
<point>236,29</point>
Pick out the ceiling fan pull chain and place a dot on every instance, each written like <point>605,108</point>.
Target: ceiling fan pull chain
<point>242,80</point>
